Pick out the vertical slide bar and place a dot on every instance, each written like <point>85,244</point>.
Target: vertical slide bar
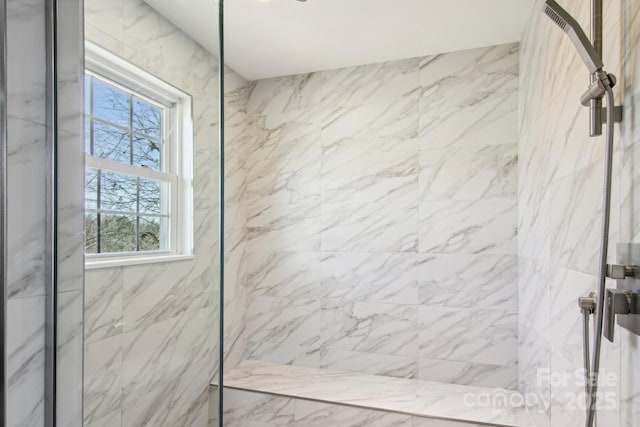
<point>221,208</point>
<point>3,210</point>
<point>595,105</point>
<point>51,261</point>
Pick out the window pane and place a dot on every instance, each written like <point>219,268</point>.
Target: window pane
<point>87,136</point>
<point>118,192</point>
<point>147,118</point>
<point>149,233</point>
<point>111,143</point>
<point>117,233</point>
<point>90,233</point>
<point>87,94</point>
<point>146,153</point>
<point>111,104</point>
<point>91,188</point>
<point>149,196</point>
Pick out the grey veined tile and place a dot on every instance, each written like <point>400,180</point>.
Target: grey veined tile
<point>369,227</point>
<point>469,173</point>
<point>372,277</point>
<point>474,335</point>
<point>482,226</point>
<point>460,280</point>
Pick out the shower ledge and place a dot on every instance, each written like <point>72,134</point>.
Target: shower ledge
<point>426,399</point>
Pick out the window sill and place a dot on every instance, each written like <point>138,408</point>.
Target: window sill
<point>110,262</point>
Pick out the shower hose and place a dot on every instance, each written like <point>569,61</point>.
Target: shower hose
<point>591,374</point>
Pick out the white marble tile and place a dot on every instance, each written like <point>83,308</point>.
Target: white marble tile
<point>284,353</point>
<point>457,280</point>
<point>629,382</point>
<point>475,335</point>
<point>355,170</point>
<point>444,402</point>
<point>242,408</point>
<point>155,45</point>
<point>318,414</point>
<point>575,219</point>
<point>390,329</point>
<point>379,101</point>
<point>26,77</point>
<point>373,277</point>
<point>103,303</point>
<point>114,419</point>
<point>25,241</point>
<point>103,39</point>
<point>469,97</point>
<point>279,99</point>
<point>369,363</point>
<point>426,422</point>
<point>166,370</point>
<point>466,373</point>
<point>534,351</point>
<point>372,84</point>
<point>70,358</point>
<point>370,227</point>
<point>25,361</point>
<point>285,274</point>
<point>483,226</point>
<point>106,15</point>
<point>154,294</point>
<point>284,321</point>
<point>103,381</point>
<point>283,167</point>
<point>469,173</point>
<point>283,228</point>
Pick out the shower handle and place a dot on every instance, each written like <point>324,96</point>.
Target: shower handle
<point>617,301</point>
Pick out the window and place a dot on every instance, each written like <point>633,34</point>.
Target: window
<point>138,158</point>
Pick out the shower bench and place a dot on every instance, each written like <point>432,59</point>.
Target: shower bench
<point>267,394</point>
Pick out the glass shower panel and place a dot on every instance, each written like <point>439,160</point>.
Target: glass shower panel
<point>151,313</point>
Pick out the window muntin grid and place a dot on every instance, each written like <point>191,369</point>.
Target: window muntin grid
<point>128,187</point>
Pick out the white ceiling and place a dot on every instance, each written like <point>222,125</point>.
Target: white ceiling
<point>268,38</point>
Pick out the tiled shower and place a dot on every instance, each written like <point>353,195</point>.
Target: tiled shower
<point>398,235</point>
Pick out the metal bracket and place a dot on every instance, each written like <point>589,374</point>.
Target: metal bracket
<point>588,303</point>
<point>618,113</point>
<point>619,271</point>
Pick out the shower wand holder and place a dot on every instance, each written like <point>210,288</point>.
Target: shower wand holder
<point>596,92</point>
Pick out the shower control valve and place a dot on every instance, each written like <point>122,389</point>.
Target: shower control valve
<point>618,301</point>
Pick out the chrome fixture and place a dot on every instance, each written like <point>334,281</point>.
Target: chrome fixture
<point>221,217</point>
<point>591,54</point>
<point>623,303</point>
<point>601,86</point>
<point>51,400</point>
<point>570,26</point>
<point>3,211</point>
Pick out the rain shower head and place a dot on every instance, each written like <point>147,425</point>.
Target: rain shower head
<point>570,26</point>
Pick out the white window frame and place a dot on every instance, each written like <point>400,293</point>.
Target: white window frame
<point>177,156</point>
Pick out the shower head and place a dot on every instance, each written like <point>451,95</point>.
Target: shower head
<point>570,26</point>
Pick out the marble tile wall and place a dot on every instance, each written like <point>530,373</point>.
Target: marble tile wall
<point>262,410</point>
<point>151,330</point>
<point>380,200</point>
<point>559,195</point>
<point>28,164</point>
<point>26,224</point>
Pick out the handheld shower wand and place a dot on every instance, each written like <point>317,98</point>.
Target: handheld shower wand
<point>580,40</point>
<point>585,49</point>
<point>602,85</point>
